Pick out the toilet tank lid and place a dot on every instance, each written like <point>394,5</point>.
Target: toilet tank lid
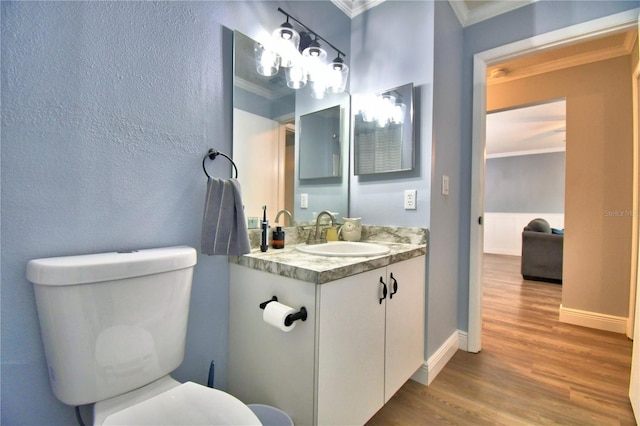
<point>88,268</point>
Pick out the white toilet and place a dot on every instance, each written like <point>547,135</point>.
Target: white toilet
<point>114,327</point>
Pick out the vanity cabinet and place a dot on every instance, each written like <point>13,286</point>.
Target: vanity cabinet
<point>369,343</point>
<point>341,365</point>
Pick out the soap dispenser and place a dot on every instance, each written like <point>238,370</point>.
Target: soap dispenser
<point>277,240</point>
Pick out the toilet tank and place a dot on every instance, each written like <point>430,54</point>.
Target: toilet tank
<point>112,322</point>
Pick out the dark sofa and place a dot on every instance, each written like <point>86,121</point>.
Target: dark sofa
<point>542,252</point>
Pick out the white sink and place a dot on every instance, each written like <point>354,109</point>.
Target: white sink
<point>344,249</point>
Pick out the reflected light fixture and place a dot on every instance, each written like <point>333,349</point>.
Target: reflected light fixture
<point>303,59</point>
<point>267,61</point>
<point>384,109</point>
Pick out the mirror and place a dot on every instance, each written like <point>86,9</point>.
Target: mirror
<point>269,119</point>
<point>320,144</point>
<point>383,132</point>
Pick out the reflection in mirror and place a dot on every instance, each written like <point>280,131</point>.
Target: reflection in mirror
<point>383,132</point>
<point>320,144</point>
<point>266,137</point>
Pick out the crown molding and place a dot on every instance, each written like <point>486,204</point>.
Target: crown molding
<point>461,11</point>
<point>353,8</point>
<point>630,41</point>
<point>526,152</point>
<point>567,62</point>
<point>258,89</point>
<point>489,10</point>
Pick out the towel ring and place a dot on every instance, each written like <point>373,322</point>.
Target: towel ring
<point>212,154</point>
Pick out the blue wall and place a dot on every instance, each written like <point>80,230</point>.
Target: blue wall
<point>421,42</point>
<point>107,111</point>
<point>525,184</point>
<point>392,45</point>
<point>444,231</point>
<point>537,18</point>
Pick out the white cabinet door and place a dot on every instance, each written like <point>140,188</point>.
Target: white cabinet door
<point>404,323</point>
<point>350,349</point>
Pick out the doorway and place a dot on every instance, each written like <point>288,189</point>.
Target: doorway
<point>563,37</point>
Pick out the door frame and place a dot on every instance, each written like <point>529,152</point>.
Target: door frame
<point>564,36</point>
<point>633,325</point>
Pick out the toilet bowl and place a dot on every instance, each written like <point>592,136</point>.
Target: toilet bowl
<point>114,327</point>
<point>168,402</point>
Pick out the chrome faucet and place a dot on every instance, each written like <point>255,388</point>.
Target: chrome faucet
<point>286,212</point>
<point>318,239</point>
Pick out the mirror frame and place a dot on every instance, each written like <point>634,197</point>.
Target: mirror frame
<point>314,148</point>
<point>404,159</point>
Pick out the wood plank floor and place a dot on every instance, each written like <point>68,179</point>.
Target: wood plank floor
<point>532,370</point>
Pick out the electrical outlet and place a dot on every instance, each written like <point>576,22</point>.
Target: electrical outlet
<point>304,201</point>
<point>410,196</point>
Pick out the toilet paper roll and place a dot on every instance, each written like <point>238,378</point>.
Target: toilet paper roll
<point>275,313</point>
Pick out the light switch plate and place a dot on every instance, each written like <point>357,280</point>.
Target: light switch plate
<point>304,201</point>
<point>445,185</point>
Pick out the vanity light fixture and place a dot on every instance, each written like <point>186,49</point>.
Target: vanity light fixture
<point>303,58</point>
<point>287,42</point>
<point>287,33</point>
<point>314,52</point>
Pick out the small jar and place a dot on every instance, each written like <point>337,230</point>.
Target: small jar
<point>277,240</point>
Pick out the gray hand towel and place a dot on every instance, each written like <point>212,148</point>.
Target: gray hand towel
<point>224,228</point>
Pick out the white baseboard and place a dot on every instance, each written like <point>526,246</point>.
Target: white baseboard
<point>436,362</point>
<point>463,340</point>
<point>593,320</point>
<point>508,252</point>
<point>422,375</point>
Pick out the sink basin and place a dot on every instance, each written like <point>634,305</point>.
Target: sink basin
<point>344,249</point>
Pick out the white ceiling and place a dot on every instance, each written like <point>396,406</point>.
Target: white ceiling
<point>532,129</point>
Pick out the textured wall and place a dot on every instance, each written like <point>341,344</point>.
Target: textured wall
<point>107,111</point>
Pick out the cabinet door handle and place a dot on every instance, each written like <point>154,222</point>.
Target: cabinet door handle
<point>384,290</point>
<point>395,286</point>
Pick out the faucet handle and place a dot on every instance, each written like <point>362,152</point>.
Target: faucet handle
<point>311,239</point>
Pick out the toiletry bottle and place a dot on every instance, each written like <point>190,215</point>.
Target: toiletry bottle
<point>332,234</point>
<point>277,241</point>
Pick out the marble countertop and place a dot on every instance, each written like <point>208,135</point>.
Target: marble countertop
<point>404,243</point>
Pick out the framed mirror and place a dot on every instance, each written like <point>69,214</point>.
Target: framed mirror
<point>268,122</point>
<point>321,144</point>
<point>383,132</point>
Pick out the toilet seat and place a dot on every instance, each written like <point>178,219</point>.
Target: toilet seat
<point>186,404</point>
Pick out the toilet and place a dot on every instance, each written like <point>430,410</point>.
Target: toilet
<point>114,328</point>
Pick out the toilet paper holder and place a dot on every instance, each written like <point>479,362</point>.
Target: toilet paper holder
<point>300,315</point>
